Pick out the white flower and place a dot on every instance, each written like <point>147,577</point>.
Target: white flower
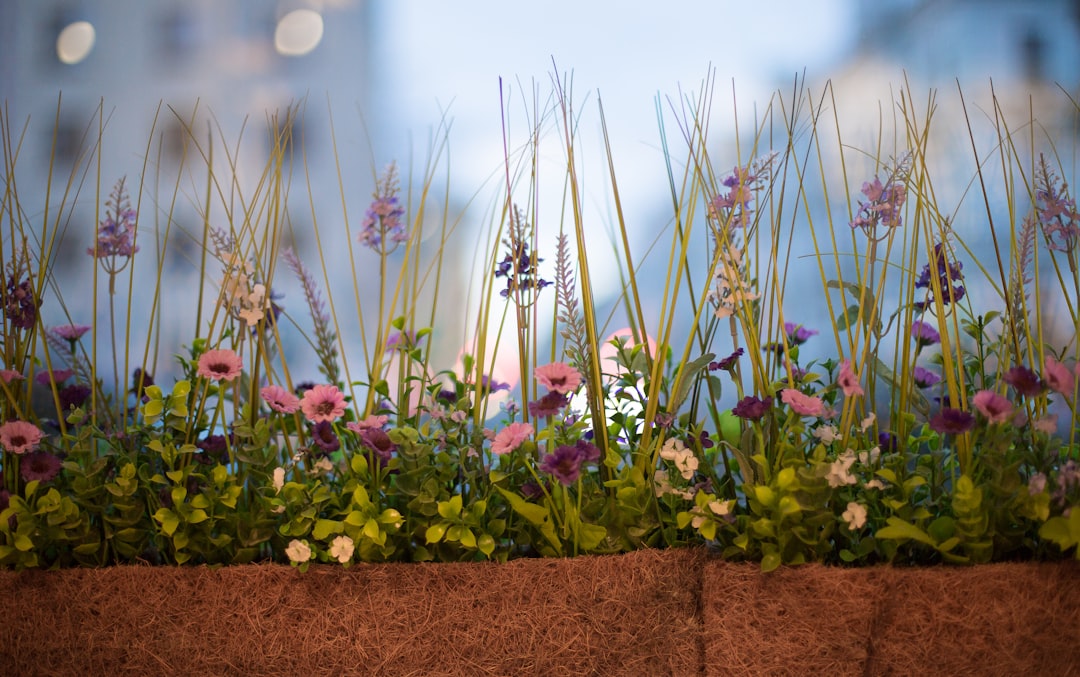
<point>826,433</point>
<point>875,484</point>
<point>279,478</point>
<point>685,461</point>
<point>855,516</point>
<point>868,421</point>
<point>840,470</point>
<point>663,487</point>
<point>870,457</point>
<point>721,508</point>
<point>298,551</point>
<point>342,549</point>
<point>323,465</point>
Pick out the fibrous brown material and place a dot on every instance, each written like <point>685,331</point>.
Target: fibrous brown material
<point>676,612</point>
<point>994,619</point>
<point>635,614</point>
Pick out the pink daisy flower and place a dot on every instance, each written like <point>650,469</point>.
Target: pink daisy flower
<point>19,437</point>
<point>1058,377</point>
<point>370,423</point>
<point>70,332</point>
<point>996,408</point>
<point>10,375</point>
<point>323,403</point>
<point>801,404</point>
<point>848,381</point>
<point>279,399</point>
<point>220,365</point>
<point>558,377</point>
<point>511,437</point>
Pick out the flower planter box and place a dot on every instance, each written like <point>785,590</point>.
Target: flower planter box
<point>677,612</point>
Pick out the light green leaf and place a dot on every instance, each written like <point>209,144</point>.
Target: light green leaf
<point>324,528</point>
<point>435,532</point>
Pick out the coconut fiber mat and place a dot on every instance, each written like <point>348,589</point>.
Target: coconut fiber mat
<point>673,612</point>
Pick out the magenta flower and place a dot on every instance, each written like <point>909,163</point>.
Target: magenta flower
<point>280,399</point>
<point>21,306</point>
<point>1024,381</point>
<point>9,375</point>
<point>751,408</point>
<point>372,421</point>
<point>797,334</point>
<point>379,442</point>
<point>954,421</point>
<point>220,365</point>
<point>802,404</point>
<point>996,408</point>
<point>39,465</point>
<point>511,437</point>
<point>728,363</point>
<point>19,437</point>
<point>55,376</point>
<point>558,377</point>
<point>70,332</point>
<point>564,464</point>
<point>848,381</point>
<point>323,403</point>
<point>924,334</point>
<point>324,437</point>
<point>548,405</point>
<point>1058,377</point>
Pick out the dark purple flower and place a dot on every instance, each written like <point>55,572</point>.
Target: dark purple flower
<point>303,387</point>
<point>705,440</point>
<point>1024,381</point>
<point>924,334</point>
<point>564,464</point>
<point>518,266</point>
<point>664,419</point>
<point>39,465</point>
<point>751,408</point>
<point>379,442</point>
<point>324,436</point>
<point>140,381</point>
<point>887,442</point>
<point>21,307</point>
<point>952,421</point>
<point>548,405</point>
<point>73,395</point>
<point>215,448</point>
<point>55,376</point>
<point>948,274</point>
<point>487,383</point>
<point>531,490</point>
<point>797,334</point>
<point>728,363</point>
<point>448,396</point>
<point>924,378</point>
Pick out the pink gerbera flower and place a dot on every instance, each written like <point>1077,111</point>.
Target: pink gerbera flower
<point>1058,377</point>
<point>70,332</point>
<point>19,437</point>
<point>996,408</point>
<point>848,381</point>
<point>511,437</point>
<point>279,399</point>
<point>10,375</point>
<point>558,377</point>
<point>323,403</point>
<point>802,404</point>
<point>220,365</point>
<point>372,422</point>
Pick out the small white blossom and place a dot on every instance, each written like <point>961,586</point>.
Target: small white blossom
<point>868,421</point>
<point>875,484</point>
<point>826,433</point>
<point>342,549</point>
<point>298,551</point>
<point>323,465</point>
<point>684,459</point>
<point>840,470</point>
<point>279,478</point>
<point>870,457</point>
<point>855,515</point>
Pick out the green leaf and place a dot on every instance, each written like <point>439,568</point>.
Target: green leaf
<point>485,544</point>
<point>770,562</point>
<point>450,509</point>
<point>324,528</point>
<point>467,538</point>
<point>847,318</point>
<point>435,532</point>
<point>168,520</point>
<point>898,529</point>
<point>591,535</point>
<point>688,372</point>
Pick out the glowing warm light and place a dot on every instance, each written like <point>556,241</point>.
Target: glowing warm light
<point>298,32</point>
<point>75,42</point>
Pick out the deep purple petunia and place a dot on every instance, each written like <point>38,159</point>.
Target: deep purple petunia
<point>924,334</point>
<point>324,436</point>
<point>39,465</point>
<point>752,408</point>
<point>379,442</point>
<point>728,363</point>
<point>73,395</point>
<point>215,448</point>
<point>952,421</point>
<point>924,378</point>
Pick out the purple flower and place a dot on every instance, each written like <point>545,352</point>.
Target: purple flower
<point>489,384</point>
<point>1056,211</point>
<point>140,381</point>
<point>518,266</point>
<point>564,464</point>
<point>948,274</point>
<point>379,442</point>
<point>39,465</point>
<point>752,408</point>
<point>797,334</point>
<point>21,307</point>
<point>215,449</point>
<point>324,436</point>
<point>883,201</point>
<point>952,421</point>
<point>924,334</point>
<point>531,490</point>
<point>401,340</point>
<point>887,441</point>
<point>728,363</point>
<point>116,234</point>
<point>57,376</point>
<point>548,405</point>
<point>924,378</point>
<point>590,453</point>
<point>383,221</point>
<point>73,395</point>
<point>1024,381</point>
